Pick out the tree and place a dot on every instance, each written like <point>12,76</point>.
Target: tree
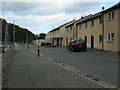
<point>21,34</point>
<point>42,36</point>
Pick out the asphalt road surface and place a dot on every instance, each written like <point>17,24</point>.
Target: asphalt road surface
<point>101,68</point>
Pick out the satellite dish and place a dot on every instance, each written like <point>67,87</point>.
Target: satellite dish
<point>103,8</point>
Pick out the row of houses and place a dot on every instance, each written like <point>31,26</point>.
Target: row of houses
<point>100,31</point>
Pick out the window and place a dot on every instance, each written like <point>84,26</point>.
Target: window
<point>86,25</point>
<point>67,29</point>
<point>108,37</point>
<point>101,20</point>
<point>111,37</point>
<point>80,26</point>
<point>71,28</point>
<point>92,23</point>
<point>110,15</point>
<point>100,38</point>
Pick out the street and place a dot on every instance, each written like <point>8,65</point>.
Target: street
<point>60,44</point>
<point>101,68</point>
<point>1,68</point>
<point>56,67</point>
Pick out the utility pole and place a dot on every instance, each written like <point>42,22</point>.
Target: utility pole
<point>6,34</point>
<point>30,38</point>
<point>103,29</point>
<point>14,32</point>
<point>27,41</point>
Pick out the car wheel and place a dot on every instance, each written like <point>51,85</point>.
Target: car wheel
<point>85,49</point>
<point>68,48</point>
<point>73,50</point>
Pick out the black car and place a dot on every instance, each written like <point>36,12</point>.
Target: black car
<point>45,43</point>
<point>77,45</point>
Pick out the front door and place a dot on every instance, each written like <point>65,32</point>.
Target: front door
<point>61,41</point>
<point>57,41</point>
<point>86,39</point>
<point>92,41</point>
<point>66,41</point>
<point>53,41</point>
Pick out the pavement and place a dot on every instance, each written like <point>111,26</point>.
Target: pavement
<point>26,70</point>
<point>102,65</point>
<point>0,72</point>
<point>102,54</point>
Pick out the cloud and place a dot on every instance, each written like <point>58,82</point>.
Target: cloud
<point>41,16</point>
<point>48,8</point>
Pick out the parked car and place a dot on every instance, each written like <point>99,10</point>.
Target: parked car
<point>45,43</point>
<point>77,45</point>
<point>2,47</point>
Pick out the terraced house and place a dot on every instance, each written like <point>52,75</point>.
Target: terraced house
<point>90,29</point>
<point>100,31</point>
<point>0,30</point>
<point>58,36</point>
<point>111,30</point>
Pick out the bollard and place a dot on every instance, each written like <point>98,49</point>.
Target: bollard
<point>27,47</point>
<point>38,51</point>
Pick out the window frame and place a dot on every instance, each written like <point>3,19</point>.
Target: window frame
<point>100,38</point>
<point>86,25</point>
<point>71,28</point>
<point>92,23</point>
<point>67,29</point>
<point>80,26</point>
<point>111,37</point>
<point>101,20</point>
<point>111,15</point>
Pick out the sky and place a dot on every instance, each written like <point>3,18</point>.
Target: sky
<point>43,16</point>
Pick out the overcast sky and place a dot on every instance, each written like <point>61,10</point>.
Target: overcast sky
<point>41,17</point>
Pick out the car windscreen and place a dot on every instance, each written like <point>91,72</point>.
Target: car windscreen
<point>79,41</point>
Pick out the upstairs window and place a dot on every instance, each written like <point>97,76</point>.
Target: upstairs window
<point>67,29</point>
<point>86,25</point>
<point>92,23</point>
<point>71,28</point>
<point>80,26</point>
<point>110,15</point>
<point>101,20</point>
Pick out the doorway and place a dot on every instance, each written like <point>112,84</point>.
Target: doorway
<point>86,39</point>
<point>61,41</point>
<point>92,41</point>
<point>66,41</point>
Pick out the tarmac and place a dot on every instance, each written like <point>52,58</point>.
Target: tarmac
<point>27,70</point>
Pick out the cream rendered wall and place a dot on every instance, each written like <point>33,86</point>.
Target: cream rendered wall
<point>70,33</point>
<point>95,31</point>
<point>63,33</point>
<point>111,26</point>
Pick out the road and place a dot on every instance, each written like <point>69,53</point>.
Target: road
<point>100,68</point>
<point>26,70</point>
<point>0,68</point>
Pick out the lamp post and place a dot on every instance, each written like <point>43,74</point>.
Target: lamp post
<point>103,29</point>
<point>6,34</point>
<point>14,33</point>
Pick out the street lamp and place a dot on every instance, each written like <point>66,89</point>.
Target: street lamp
<point>14,32</point>
<point>103,29</point>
